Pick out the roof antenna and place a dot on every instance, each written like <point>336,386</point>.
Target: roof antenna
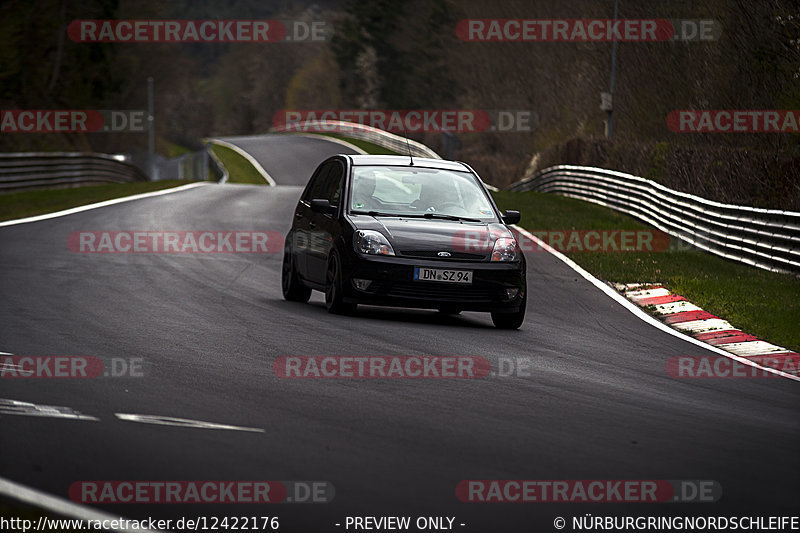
<point>408,147</point>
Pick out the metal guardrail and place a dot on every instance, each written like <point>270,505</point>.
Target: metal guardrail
<point>765,238</point>
<point>35,170</point>
<point>382,138</point>
<point>192,166</point>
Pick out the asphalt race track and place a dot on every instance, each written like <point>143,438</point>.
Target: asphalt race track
<point>289,159</point>
<point>597,402</point>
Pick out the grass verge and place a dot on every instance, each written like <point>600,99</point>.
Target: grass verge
<point>240,170</point>
<point>757,301</point>
<point>31,203</point>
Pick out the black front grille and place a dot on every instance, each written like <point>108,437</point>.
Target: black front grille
<point>450,292</point>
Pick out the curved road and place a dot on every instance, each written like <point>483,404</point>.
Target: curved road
<point>596,402</point>
<point>289,159</point>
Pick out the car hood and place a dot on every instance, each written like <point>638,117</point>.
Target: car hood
<point>414,237</point>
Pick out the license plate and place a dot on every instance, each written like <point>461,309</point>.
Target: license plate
<point>443,274</point>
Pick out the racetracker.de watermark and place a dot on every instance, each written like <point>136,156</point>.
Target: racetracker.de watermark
<point>482,241</point>
<point>587,491</point>
<point>381,367</point>
<point>72,121</point>
<point>204,492</point>
<point>721,367</point>
<point>734,121</point>
<point>587,30</point>
<point>175,242</point>
<point>197,31</point>
<point>69,367</point>
<point>406,120</point>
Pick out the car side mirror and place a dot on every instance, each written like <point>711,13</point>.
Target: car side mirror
<point>511,217</point>
<point>321,205</point>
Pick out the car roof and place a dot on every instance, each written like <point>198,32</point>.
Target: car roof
<point>405,161</point>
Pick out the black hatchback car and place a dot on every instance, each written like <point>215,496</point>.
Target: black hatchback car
<point>407,232</point>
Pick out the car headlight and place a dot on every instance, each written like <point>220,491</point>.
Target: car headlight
<point>505,249</point>
<point>371,242</point>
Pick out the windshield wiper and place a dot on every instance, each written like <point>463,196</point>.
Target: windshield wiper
<point>450,217</point>
<point>382,214</point>
<point>440,216</point>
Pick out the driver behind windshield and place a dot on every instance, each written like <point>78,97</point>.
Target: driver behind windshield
<point>435,197</point>
<point>363,190</point>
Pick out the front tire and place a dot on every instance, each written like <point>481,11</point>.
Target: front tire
<point>511,320</point>
<point>293,288</point>
<point>333,288</point>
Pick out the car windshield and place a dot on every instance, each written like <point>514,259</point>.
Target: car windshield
<point>417,191</point>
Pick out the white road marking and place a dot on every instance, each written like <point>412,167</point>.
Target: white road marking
<point>181,422</point>
<point>88,207</point>
<point>750,348</point>
<point>676,307</point>
<point>250,159</point>
<point>15,407</point>
<point>647,293</point>
<point>60,506</point>
<point>622,287</point>
<point>639,313</point>
<point>705,326</point>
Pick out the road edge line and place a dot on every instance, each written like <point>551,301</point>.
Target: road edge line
<point>638,312</point>
<point>97,205</point>
<point>61,506</point>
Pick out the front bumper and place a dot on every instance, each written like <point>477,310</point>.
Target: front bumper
<point>393,284</point>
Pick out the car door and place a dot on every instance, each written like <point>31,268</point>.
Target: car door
<point>302,235</point>
<point>324,226</point>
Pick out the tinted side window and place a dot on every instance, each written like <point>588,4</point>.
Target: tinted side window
<point>316,184</point>
<point>334,184</point>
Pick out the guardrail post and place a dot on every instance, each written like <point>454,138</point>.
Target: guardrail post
<point>151,130</point>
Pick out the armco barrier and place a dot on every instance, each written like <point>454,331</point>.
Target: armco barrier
<point>382,138</point>
<point>765,238</point>
<point>38,170</point>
